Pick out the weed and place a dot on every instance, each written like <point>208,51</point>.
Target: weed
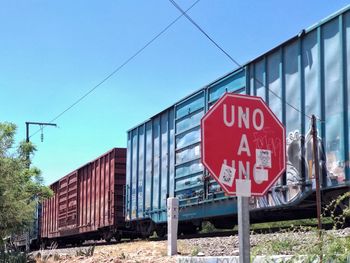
<point>56,257</point>
<point>86,252</point>
<point>195,251</point>
<point>279,246</point>
<point>208,227</point>
<point>122,256</point>
<point>327,246</point>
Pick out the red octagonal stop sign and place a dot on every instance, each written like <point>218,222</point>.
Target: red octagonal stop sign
<point>243,145</point>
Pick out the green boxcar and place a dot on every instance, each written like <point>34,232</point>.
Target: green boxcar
<point>308,74</point>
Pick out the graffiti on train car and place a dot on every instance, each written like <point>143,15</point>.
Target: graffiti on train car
<point>300,173</point>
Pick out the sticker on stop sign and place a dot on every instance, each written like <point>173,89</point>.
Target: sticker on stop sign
<point>227,174</point>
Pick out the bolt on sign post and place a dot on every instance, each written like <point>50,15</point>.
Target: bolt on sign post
<point>243,148</point>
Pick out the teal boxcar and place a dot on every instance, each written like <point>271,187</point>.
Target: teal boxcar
<point>308,74</point>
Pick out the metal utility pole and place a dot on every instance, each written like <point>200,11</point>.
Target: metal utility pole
<point>317,171</point>
<point>41,124</point>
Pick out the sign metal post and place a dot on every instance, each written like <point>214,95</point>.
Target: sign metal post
<point>243,229</point>
<point>244,149</point>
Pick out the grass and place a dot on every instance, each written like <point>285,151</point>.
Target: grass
<point>208,227</point>
<point>275,247</point>
<point>308,244</point>
<point>290,223</point>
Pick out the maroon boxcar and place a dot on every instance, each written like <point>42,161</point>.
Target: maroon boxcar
<point>88,203</point>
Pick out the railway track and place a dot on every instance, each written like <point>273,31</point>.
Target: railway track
<point>235,232</point>
<point>223,233</point>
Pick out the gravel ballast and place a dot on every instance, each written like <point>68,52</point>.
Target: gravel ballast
<point>288,243</point>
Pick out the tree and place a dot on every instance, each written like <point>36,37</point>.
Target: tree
<point>21,187</point>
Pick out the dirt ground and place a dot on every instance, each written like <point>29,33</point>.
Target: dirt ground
<point>131,252</point>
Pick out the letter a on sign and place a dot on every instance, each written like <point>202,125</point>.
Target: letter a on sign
<point>244,146</point>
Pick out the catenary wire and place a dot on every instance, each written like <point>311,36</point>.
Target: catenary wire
<point>121,65</point>
<point>204,33</point>
<point>232,59</point>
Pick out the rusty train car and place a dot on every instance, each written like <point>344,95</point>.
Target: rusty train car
<point>88,203</point>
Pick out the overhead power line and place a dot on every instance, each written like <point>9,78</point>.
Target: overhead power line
<point>204,33</point>
<point>230,57</point>
<point>120,66</point>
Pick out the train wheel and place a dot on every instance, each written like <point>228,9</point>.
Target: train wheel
<point>107,236</point>
<point>145,228</point>
<point>43,245</point>
<point>117,236</point>
<point>78,242</point>
<point>161,231</point>
<point>188,229</point>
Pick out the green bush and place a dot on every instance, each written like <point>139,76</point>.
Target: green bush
<point>208,227</point>
<point>12,257</point>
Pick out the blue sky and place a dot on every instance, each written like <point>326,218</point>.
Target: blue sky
<point>52,52</point>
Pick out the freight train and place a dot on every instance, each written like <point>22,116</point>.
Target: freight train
<point>308,74</point>
<point>88,203</point>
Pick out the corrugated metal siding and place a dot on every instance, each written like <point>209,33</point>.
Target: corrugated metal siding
<point>101,191</point>
<point>150,166</point>
<point>117,205</point>
<point>308,74</point>
<point>101,181</point>
<point>67,202</point>
<point>346,77</point>
<point>89,198</point>
<point>164,154</point>
<point>49,218</point>
<point>188,168</point>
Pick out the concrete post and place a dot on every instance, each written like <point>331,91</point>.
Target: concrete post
<point>173,219</point>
